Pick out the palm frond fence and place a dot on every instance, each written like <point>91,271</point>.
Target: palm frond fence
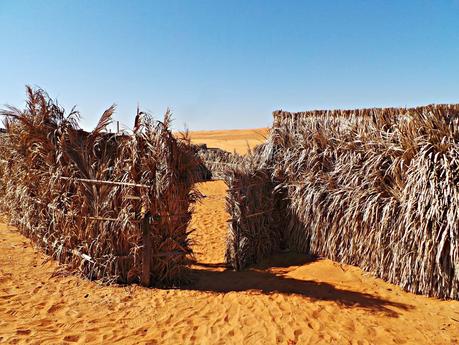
<point>114,207</point>
<point>375,188</point>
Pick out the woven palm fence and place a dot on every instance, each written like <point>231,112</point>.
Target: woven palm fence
<point>256,205</point>
<point>255,230</point>
<point>216,162</point>
<point>113,207</point>
<point>375,188</point>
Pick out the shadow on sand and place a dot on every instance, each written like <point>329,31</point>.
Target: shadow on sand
<point>216,278</point>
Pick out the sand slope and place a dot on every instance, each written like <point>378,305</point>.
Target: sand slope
<point>288,300</point>
<point>233,140</point>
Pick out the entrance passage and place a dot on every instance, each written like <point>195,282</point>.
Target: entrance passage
<point>209,221</point>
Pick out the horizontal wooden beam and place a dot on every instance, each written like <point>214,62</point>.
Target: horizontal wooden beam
<point>105,219</point>
<point>109,183</point>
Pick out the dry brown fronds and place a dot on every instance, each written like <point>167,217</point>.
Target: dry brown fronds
<point>376,188</point>
<point>53,186</point>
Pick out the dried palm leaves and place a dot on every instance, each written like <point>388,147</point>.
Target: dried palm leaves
<point>255,229</point>
<point>115,207</point>
<point>376,188</point>
<point>215,162</point>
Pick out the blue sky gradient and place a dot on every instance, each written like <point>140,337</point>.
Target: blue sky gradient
<point>229,64</point>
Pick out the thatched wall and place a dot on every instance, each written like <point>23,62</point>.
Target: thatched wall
<point>376,188</point>
<point>215,162</point>
<point>114,207</point>
<point>255,231</point>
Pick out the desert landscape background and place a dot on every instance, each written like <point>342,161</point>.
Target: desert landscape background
<point>289,299</point>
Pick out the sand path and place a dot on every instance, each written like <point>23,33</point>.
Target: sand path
<point>288,300</point>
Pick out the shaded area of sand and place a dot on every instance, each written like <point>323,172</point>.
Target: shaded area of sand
<point>287,300</point>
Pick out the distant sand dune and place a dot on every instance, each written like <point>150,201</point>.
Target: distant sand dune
<point>286,300</point>
<point>238,140</point>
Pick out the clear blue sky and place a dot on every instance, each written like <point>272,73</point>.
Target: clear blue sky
<point>229,64</point>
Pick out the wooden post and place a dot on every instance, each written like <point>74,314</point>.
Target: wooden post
<point>146,252</point>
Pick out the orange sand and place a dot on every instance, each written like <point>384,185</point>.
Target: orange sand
<point>288,300</point>
<point>238,140</point>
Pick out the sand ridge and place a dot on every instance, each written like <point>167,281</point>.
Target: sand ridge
<point>287,300</point>
<point>236,140</point>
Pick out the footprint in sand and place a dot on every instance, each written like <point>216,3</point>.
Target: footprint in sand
<point>71,338</point>
<point>23,331</point>
<point>54,308</point>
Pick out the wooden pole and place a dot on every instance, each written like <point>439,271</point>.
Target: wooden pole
<point>146,252</point>
<point>110,183</point>
<point>105,219</point>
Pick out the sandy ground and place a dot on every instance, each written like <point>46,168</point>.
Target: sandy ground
<point>288,300</point>
<point>233,140</point>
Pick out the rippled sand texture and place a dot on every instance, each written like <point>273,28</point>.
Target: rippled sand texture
<point>288,300</point>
